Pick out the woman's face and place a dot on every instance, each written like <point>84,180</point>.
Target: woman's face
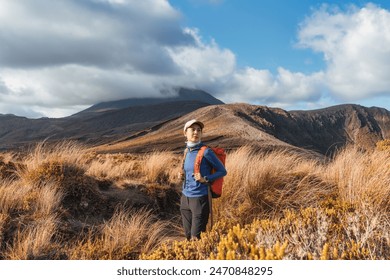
<point>194,133</point>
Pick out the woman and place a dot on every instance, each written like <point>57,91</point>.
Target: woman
<point>194,204</point>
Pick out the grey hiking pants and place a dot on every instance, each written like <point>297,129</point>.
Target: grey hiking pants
<point>195,215</point>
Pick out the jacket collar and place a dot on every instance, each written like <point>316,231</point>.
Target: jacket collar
<point>197,147</point>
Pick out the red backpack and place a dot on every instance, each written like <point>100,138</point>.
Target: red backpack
<point>216,185</point>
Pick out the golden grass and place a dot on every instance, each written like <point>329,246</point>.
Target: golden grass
<point>160,167</point>
<point>12,196</point>
<point>275,205</point>
<point>56,183</point>
<point>43,201</point>
<point>124,236</point>
<point>34,241</point>
<point>114,167</point>
<point>383,145</point>
<point>66,151</point>
<point>48,199</point>
<point>264,184</point>
<point>361,177</point>
<point>282,205</point>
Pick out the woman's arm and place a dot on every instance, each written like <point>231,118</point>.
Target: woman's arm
<point>220,170</point>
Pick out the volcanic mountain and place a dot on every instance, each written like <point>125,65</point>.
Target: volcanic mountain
<point>146,124</point>
<point>184,95</point>
<point>103,122</point>
<point>233,125</point>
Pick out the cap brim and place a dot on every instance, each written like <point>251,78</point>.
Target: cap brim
<point>192,122</point>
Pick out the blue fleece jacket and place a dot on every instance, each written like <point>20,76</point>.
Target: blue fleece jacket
<point>192,188</point>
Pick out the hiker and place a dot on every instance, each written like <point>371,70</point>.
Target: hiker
<point>194,204</point>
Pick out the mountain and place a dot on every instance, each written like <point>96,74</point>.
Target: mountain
<point>233,125</point>
<point>144,124</point>
<point>183,95</point>
<point>103,122</point>
<point>18,131</point>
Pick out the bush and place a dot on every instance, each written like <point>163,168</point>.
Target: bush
<point>335,230</point>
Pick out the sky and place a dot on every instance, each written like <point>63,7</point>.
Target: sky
<point>60,57</point>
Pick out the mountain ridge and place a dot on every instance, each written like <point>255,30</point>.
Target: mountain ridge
<point>159,125</point>
<point>94,127</point>
<point>234,125</point>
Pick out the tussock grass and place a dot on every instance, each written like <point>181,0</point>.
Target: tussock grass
<point>51,198</point>
<point>13,197</point>
<point>48,199</point>
<point>57,163</point>
<point>43,201</point>
<point>125,236</point>
<point>8,168</point>
<point>282,205</point>
<point>34,241</point>
<point>159,167</point>
<point>361,177</point>
<point>66,151</point>
<point>115,167</point>
<point>61,201</point>
<point>265,184</point>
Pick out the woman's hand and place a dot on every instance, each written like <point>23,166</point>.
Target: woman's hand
<point>199,178</point>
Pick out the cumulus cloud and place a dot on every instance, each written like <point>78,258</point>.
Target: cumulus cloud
<point>285,88</point>
<point>355,44</point>
<point>202,63</point>
<point>356,47</point>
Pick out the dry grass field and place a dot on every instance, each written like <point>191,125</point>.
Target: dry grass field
<point>68,202</point>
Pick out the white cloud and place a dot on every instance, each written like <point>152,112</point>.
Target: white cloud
<point>203,63</point>
<point>262,87</point>
<point>356,47</point>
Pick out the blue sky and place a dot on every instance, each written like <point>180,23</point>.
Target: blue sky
<point>262,33</point>
<point>59,57</point>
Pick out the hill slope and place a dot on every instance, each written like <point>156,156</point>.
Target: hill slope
<point>157,124</point>
<point>102,123</point>
<point>233,125</point>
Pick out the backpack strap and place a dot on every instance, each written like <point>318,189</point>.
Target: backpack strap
<point>199,158</point>
<point>184,158</point>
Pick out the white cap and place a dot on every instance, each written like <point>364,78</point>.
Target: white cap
<point>191,122</point>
